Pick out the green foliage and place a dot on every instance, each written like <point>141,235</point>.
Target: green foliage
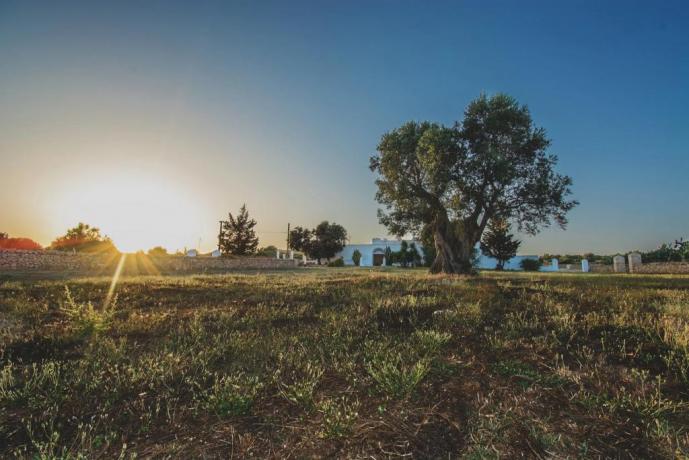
<point>84,318</point>
<point>499,243</point>
<point>336,263</point>
<point>323,242</point>
<point>530,265</point>
<point>339,416</point>
<point>668,252</point>
<point>356,257</point>
<point>157,251</point>
<point>449,181</point>
<point>231,395</point>
<point>395,374</point>
<point>237,235</point>
<point>407,256</point>
<point>83,238</point>
<point>268,251</point>
<point>388,256</point>
<point>298,385</point>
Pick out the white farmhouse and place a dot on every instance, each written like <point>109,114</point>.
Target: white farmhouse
<point>373,254</point>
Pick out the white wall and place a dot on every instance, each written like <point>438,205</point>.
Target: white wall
<point>367,250</point>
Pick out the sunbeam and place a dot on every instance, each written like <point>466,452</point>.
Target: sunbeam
<point>115,277</point>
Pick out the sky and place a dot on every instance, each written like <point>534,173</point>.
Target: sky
<point>152,120</point>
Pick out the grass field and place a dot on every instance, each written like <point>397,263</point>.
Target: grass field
<point>346,363</point>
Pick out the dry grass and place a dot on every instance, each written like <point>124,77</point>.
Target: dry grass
<point>346,363</point>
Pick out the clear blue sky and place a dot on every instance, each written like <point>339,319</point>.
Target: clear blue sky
<point>280,104</point>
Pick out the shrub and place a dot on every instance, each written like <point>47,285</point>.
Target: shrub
<point>84,318</point>
<point>19,243</point>
<point>356,257</point>
<point>530,265</point>
<point>157,251</point>
<point>336,263</point>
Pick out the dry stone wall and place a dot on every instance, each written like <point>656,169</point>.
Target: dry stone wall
<point>59,261</point>
<point>669,268</point>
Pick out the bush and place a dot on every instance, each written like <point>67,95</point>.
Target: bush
<point>336,263</point>
<point>356,257</point>
<point>19,243</point>
<point>530,265</point>
<point>157,251</point>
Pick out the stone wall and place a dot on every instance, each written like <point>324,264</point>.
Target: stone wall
<point>26,260</point>
<point>97,264</point>
<point>663,268</point>
<point>600,268</point>
<point>649,268</point>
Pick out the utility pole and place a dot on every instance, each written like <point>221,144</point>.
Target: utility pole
<point>220,237</point>
<point>288,235</point>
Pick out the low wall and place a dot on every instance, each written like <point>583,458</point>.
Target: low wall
<point>663,267</point>
<point>600,268</point>
<point>27,260</point>
<point>59,261</point>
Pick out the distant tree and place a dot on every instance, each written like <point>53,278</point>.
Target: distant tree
<point>450,181</point>
<point>413,256</point>
<point>18,243</point>
<point>401,255</point>
<point>356,257</point>
<point>407,256</point>
<point>157,251</point>
<point>268,251</point>
<point>499,243</point>
<point>237,234</point>
<point>83,238</point>
<point>300,239</point>
<point>388,256</point>
<point>323,242</point>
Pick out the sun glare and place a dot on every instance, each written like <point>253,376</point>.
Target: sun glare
<point>138,212</point>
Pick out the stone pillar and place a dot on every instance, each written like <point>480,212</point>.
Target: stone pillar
<point>585,266</point>
<point>291,254</point>
<point>618,265</point>
<point>303,258</point>
<point>277,253</point>
<point>554,265</point>
<point>634,262</point>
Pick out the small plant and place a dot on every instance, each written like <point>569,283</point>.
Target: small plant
<point>394,375</point>
<point>231,395</point>
<point>431,341</point>
<point>84,317</point>
<point>339,416</point>
<point>299,387</point>
<point>356,257</point>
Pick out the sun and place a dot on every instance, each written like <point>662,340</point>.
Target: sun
<point>137,211</point>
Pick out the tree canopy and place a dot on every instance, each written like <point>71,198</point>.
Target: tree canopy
<point>157,251</point>
<point>322,242</point>
<point>83,238</point>
<point>237,235</point>
<point>497,242</point>
<point>449,182</point>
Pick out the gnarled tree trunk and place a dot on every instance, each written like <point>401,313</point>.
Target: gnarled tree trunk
<point>453,254</point>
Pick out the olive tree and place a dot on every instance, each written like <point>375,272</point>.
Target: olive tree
<point>449,182</point>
